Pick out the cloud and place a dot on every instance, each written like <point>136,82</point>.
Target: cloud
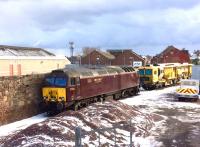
<point>150,25</point>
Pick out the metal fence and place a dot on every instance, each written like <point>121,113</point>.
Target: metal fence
<point>79,134</point>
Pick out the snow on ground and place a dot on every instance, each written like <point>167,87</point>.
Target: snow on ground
<point>180,125</point>
<point>149,113</point>
<point>155,99</point>
<point>59,130</point>
<point>22,124</point>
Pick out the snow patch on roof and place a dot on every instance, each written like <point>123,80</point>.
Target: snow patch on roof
<point>23,51</point>
<point>32,57</point>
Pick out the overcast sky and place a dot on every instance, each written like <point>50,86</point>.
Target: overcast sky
<point>146,26</point>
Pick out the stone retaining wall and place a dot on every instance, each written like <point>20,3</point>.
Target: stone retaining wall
<point>20,97</point>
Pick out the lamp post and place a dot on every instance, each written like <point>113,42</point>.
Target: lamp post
<point>79,57</point>
<point>71,47</point>
<point>123,56</point>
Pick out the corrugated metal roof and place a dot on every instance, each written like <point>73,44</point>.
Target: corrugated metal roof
<point>23,51</point>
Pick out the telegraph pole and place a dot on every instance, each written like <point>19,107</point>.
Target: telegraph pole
<point>71,47</point>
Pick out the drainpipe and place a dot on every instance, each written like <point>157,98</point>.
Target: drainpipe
<point>123,56</point>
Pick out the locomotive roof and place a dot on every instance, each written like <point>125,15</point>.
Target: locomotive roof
<point>85,71</point>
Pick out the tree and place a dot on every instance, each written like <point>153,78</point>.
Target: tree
<point>195,61</point>
<point>87,50</point>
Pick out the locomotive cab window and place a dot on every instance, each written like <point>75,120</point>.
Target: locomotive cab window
<point>73,81</point>
<point>55,81</point>
<point>60,81</point>
<point>49,81</point>
<point>78,81</point>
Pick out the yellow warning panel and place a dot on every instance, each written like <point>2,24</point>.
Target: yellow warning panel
<point>187,91</point>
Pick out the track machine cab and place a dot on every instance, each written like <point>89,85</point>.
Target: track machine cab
<point>151,76</point>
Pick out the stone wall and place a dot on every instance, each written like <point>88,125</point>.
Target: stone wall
<point>20,97</point>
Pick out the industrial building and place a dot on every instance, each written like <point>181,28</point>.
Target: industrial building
<point>17,61</point>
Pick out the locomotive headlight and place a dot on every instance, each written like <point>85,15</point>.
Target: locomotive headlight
<point>61,98</point>
<point>45,97</point>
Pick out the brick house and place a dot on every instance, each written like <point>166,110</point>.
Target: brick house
<point>126,57</point>
<point>172,55</point>
<point>97,57</point>
<point>148,59</point>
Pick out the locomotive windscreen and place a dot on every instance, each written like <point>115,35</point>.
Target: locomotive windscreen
<point>145,71</point>
<point>141,71</point>
<point>148,71</point>
<point>55,81</point>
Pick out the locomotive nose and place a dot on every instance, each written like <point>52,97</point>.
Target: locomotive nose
<point>54,94</point>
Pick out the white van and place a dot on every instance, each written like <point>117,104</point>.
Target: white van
<point>188,89</point>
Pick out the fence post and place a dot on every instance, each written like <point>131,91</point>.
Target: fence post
<point>131,134</point>
<point>115,137</point>
<point>99,139</point>
<point>78,137</point>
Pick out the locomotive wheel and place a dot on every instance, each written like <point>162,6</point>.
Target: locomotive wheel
<point>133,92</point>
<point>60,107</point>
<point>49,113</point>
<point>151,88</point>
<point>164,84</point>
<point>145,87</point>
<point>95,99</point>
<point>174,82</point>
<point>125,94</point>
<point>194,99</point>
<point>114,97</point>
<point>101,99</point>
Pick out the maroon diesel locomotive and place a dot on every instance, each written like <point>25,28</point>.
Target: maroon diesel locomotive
<point>76,86</point>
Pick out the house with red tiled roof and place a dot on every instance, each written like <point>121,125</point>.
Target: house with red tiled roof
<point>172,55</point>
<point>126,57</point>
<point>97,57</point>
<point>112,57</point>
